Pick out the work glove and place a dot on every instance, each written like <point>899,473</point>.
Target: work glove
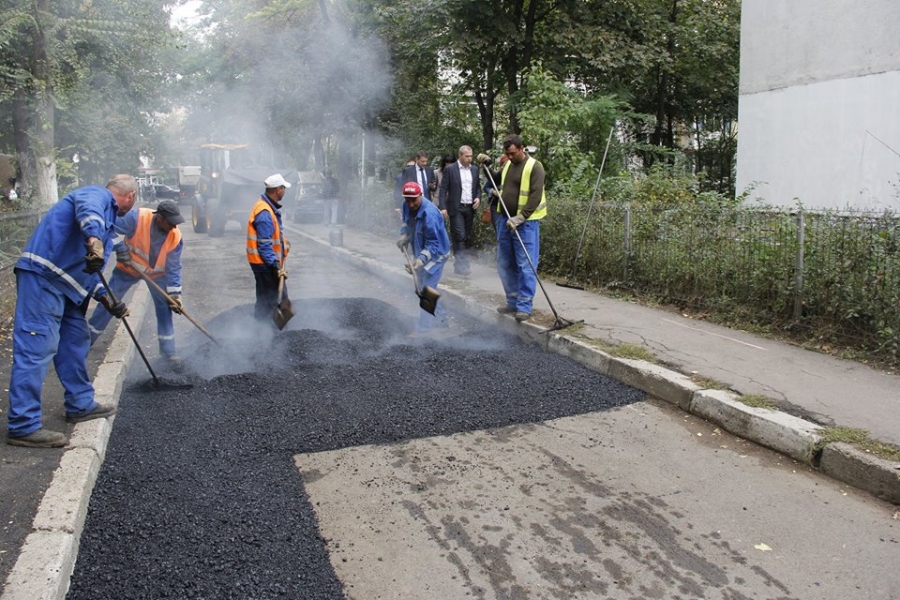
<point>94,257</point>
<point>177,304</point>
<point>484,159</point>
<point>514,222</point>
<point>123,255</point>
<point>278,272</point>
<point>403,242</point>
<point>418,264</point>
<point>116,309</point>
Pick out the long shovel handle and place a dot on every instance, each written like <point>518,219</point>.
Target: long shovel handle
<point>412,270</point>
<point>168,298</point>
<point>112,297</point>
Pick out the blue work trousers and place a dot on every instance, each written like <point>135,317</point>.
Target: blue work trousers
<point>48,327</point>
<point>426,319</point>
<point>516,274</point>
<point>120,283</point>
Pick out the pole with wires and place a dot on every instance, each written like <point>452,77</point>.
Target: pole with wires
<point>559,322</point>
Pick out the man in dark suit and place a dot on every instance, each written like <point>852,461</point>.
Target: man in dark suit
<point>398,186</point>
<point>422,174</point>
<point>459,196</point>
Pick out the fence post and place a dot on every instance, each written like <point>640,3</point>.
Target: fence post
<point>798,266</point>
<point>627,241</point>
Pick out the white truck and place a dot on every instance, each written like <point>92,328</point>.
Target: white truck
<point>188,179</point>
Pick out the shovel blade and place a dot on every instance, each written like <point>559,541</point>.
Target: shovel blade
<point>283,313</point>
<point>428,299</point>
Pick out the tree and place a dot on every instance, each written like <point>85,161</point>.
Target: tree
<point>53,48</point>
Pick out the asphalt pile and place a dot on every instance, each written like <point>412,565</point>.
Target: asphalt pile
<point>199,497</point>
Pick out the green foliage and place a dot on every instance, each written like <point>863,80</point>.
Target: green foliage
<point>659,236</point>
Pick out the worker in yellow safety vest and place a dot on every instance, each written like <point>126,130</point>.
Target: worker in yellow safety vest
<point>517,224</point>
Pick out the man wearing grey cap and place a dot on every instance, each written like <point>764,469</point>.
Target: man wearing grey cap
<point>152,246</point>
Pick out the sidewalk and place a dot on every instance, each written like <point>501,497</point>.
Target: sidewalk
<point>817,388</point>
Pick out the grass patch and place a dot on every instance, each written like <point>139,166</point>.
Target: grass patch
<point>632,351</point>
<point>758,401</point>
<point>708,384</point>
<point>859,439</point>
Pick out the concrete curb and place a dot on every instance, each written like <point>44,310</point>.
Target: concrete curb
<point>786,434</point>
<point>44,566</point>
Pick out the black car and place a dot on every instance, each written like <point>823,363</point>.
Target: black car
<point>166,192</point>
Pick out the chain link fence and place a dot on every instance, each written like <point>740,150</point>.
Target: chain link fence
<point>15,229</point>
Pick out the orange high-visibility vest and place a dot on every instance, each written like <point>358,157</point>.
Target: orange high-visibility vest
<point>253,256</point>
<point>139,246</point>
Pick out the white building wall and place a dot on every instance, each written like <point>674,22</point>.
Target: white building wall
<point>819,108</point>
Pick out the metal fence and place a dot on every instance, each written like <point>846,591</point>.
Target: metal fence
<point>838,273</point>
<point>15,229</point>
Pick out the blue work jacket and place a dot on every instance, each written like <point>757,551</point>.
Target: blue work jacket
<point>428,234</point>
<point>57,249</point>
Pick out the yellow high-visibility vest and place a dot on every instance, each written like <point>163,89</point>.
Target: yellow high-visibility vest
<point>541,211</point>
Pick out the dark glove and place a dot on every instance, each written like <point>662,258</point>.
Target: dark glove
<point>403,242</point>
<point>177,304</point>
<point>484,159</point>
<point>94,258</point>
<point>116,309</point>
<point>514,222</point>
<point>123,255</point>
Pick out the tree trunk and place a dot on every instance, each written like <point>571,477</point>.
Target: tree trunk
<point>42,144</point>
<point>27,172</point>
<point>46,191</point>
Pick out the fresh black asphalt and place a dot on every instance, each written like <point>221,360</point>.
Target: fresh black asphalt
<point>198,496</point>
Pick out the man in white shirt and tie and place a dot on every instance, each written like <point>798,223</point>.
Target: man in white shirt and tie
<point>422,174</point>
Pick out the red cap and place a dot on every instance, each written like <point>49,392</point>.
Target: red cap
<point>411,190</point>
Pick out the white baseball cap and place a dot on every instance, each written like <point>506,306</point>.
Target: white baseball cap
<point>276,181</point>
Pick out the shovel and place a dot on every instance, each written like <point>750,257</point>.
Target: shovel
<point>157,382</point>
<point>428,297</point>
<point>283,310</point>
<point>171,302</point>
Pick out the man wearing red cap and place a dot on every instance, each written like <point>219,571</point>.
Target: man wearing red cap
<point>423,228</point>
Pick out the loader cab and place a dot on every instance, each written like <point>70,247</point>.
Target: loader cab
<point>229,185</point>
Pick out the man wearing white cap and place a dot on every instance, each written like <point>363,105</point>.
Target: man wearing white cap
<point>266,247</point>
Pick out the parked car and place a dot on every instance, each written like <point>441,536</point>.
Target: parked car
<point>166,192</point>
<point>308,205</point>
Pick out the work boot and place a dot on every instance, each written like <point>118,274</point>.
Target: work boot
<point>42,438</point>
<point>175,363</point>
<point>522,316</point>
<point>101,412</point>
<point>506,310</point>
